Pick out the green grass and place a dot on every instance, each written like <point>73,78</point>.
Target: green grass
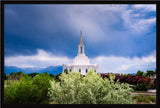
<point>146,98</point>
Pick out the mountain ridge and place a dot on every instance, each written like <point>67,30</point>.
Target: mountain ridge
<point>50,69</point>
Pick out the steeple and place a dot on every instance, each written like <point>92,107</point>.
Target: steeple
<point>81,41</point>
<point>81,45</point>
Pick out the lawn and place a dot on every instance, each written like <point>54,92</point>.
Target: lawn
<point>145,99</point>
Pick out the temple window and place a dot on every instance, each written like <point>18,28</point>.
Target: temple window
<point>81,49</point>
<point>79,70</point>
<point>86,70</point>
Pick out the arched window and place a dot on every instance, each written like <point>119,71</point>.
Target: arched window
<point>95,70</point>
<point>81,49</point>
<point>70,70</point>
<point>79,70</point>
<point>86,70</point>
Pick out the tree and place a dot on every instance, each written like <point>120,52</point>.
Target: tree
<point>130,74</point>
<point>150,72</point>
<point>51,75</point>
<point>66,71</point>
<point>33,74</point>
<point>57,77</point>
<point>16,76</point>
<point>6,76</point>
<point>140,73</point>
<point>12,75</point>
<point>46,73</point>
<point>19,75</point>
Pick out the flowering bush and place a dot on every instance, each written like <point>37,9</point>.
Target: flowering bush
<point>91,89</point>
<point>131,79</point>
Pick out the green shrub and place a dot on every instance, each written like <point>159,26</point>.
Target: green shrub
<point>28,90</point>
<point>140,99</point>
<point>153,98</point>
<point>51,75</point>
<point>145,98</point>
<point>66,71</point>
<point>33,74</point>
<point>16,76</point>
<point>56,78</point>
<point>91,89</point>
<point>140,73</point>
<point>6,77</point>
<point>142,86</point>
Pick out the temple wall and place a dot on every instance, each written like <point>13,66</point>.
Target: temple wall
<point>81,67</point>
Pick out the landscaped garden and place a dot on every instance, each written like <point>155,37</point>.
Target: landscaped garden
<point>73,88</point>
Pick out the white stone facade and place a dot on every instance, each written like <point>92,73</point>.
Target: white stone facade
<point>81,62</point>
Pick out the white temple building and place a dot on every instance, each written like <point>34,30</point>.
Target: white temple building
<point>81,62</point>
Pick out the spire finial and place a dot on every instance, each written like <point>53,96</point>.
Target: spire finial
<point>81,35</point>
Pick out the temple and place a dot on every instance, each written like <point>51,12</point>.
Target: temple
<point>81,62</point>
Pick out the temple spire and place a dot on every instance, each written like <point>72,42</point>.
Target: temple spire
<point>81,36</point>
<point>81,45</point>
<point>81,41</point>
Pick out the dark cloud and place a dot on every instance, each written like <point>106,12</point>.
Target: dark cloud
<point>56,28</point>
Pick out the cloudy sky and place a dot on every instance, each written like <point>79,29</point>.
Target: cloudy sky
<point>120,38</point>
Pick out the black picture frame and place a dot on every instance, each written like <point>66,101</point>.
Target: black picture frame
<point>3,2</point>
